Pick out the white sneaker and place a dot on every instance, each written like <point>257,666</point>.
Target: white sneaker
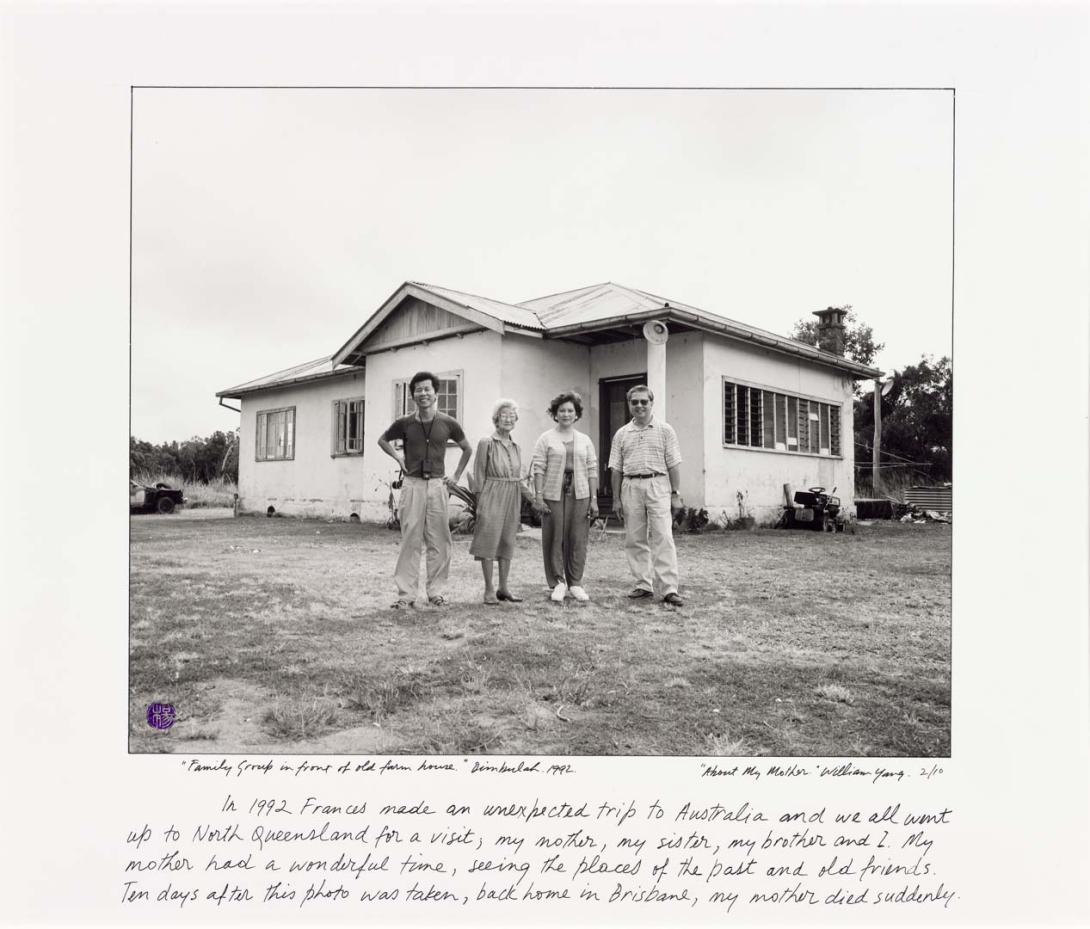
<point>581,595</point>
<point>559,592</point>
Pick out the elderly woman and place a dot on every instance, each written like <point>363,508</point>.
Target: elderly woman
<point>565,475</point>
<point>497,478</point>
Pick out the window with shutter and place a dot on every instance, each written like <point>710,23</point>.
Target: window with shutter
<point>348,426</point>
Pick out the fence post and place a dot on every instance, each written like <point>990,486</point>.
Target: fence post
<point>877,450</point>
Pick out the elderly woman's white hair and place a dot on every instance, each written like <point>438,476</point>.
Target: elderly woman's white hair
<point>502,405</point>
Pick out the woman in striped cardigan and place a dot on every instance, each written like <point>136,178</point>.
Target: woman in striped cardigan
<point>564,469</point>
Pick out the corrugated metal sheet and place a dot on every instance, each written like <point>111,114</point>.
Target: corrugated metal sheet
<point>583,306</point>
<point>308,369</point>
<point>506,312</point>
<point>589,304</point>
<point>931,498</point>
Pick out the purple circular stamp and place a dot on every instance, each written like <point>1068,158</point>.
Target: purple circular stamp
<point>161,715</point>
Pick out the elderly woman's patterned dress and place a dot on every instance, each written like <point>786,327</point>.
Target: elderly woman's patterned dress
<point>497,474</point>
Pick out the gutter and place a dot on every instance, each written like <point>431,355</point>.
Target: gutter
<point>238,393</point>
<point>782,345</point>
<point>227,405</point>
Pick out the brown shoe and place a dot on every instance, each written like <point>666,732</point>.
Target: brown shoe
<point>639,593</point>
<point>673,600</point>
<point>508,596</point>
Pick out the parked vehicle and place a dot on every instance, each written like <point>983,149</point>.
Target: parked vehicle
<point>162,498</point>
<point>813,509</point>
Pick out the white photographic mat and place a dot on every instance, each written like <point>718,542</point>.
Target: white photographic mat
<point>649,181</point>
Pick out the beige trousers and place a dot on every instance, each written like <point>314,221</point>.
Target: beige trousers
<point>648,534</point>
<point>422,510</point>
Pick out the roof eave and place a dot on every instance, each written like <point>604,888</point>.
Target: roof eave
<point>237,393</point>
<point>422,292</point>
<point>698,321</point>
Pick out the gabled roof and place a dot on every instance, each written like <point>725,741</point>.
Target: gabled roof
<point>479,311</point>
<point>506,312</point>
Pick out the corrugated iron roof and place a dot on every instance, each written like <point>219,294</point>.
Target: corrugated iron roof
<point>609,300</point>
<point>589,304</point>
<point>505,312</point>
<point>320,367</point>
<point>569,310</point>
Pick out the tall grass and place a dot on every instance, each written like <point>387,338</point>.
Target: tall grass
<point>220,492</point>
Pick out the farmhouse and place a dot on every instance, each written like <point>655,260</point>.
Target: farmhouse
<point>752,410</point>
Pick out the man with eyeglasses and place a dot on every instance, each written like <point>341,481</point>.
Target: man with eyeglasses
<point>644,462</point>
<point>422,509</point>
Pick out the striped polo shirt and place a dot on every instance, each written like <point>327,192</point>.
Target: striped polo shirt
<point>650,449</point>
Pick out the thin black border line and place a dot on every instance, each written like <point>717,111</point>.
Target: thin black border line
<point>128,523</point>
<point>953,267</point>
<point>640,87</point>
<point>953,405</point>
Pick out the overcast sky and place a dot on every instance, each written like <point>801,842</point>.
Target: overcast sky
<point>268,224</point>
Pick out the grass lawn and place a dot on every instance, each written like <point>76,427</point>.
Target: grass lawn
<point>275,635</point>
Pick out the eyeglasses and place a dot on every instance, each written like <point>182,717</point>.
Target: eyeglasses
<point>640,402</point>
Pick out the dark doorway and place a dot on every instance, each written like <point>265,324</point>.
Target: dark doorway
<point>612,414</point>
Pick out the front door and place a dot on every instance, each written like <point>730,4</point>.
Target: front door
<point>613,413</point>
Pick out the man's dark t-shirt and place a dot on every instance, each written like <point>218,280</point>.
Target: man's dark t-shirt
<point>425,443</point>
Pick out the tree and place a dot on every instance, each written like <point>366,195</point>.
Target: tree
<point>917,419</point>
<point>196,460</point>
<point>917,413</point>
<point>859,344</point>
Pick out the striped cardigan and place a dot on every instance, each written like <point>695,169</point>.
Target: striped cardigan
<point>549,460</point>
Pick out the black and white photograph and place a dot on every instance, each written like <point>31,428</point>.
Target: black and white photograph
<point>542,457</point>
<point>514,421</point>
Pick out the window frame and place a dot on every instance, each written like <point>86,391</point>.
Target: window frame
<point>342,408</point>
<point>799,422</point>
<point>401,398</point>
<point>260,432</point>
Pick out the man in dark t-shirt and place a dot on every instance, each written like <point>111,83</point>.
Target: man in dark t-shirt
<point>423,505</point>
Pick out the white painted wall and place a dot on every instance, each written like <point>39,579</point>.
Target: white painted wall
<point>685,411</point>
<point>761,473</point>
<point>532,372</point>
<point>313,483</point>
<point>317,484</point>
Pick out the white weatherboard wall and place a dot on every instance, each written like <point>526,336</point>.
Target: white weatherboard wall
<point>314,483</point>
<point>759,474</point>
